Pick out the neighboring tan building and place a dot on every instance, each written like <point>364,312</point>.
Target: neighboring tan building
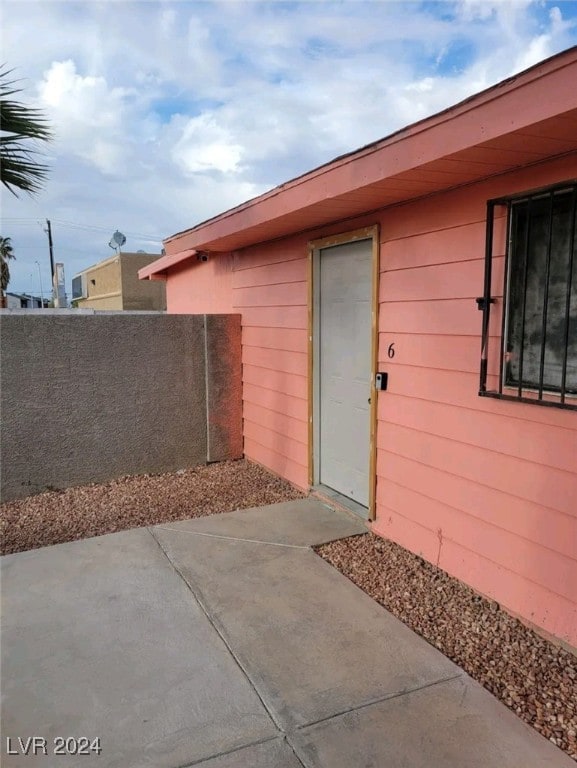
<point>114,284</point>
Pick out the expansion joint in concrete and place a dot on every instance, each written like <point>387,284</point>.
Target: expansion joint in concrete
<point>379,699</point>
<point>233,538</point>
<point>293,747</point>
<point>234,750</point>
<point>220,633</point>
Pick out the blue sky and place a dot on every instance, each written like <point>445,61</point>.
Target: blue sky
<point>166,113</point>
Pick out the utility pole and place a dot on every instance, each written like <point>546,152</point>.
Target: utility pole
<point>51,248</point>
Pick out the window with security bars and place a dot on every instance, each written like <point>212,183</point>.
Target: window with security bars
<point>538,355</point>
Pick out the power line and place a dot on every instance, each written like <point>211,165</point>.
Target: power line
<point>104,229</point>
<point>27,247</point>
<point>88,227</point>
<point>61,251</point>
<point>20,222</point>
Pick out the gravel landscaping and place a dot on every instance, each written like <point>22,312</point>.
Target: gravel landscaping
<point>533,677</point>
<point>129,502</point>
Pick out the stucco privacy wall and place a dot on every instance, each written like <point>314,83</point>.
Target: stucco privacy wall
<point>484,488</point>
<point>90,397</point>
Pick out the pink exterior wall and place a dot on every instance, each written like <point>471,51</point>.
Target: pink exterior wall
<point>486,489</point>
<point>270,291</point>
<point>200,287</point>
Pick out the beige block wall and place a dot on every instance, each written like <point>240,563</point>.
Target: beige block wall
<point>111,301</point>
<point>103,284</point>
<point>114,284</point>
<point>140,294</point>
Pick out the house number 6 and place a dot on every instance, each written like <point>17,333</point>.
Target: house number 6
<point>391,350</point>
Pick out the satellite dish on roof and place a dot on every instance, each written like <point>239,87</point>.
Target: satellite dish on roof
<point>117,241</point>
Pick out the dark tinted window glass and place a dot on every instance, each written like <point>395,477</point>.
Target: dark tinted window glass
<point>538,319</point>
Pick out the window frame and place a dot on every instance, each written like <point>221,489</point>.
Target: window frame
<point>543,397</point>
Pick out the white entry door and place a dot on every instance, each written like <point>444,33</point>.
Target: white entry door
<point>344,372</point>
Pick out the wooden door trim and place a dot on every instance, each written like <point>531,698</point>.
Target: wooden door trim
<point>314,246</point>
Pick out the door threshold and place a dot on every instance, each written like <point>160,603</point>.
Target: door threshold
<point>334,497</point>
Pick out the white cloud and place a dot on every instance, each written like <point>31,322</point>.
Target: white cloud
<point>206,146</point>
<point>471,10</point>
<point>542,46</point>
<point>167,21</point>
<point>88,115</point>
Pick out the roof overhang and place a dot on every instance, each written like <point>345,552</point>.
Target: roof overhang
<point>156,270</point>
<point>524,120</point>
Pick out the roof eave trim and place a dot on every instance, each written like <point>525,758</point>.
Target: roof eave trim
<point>158,269</point>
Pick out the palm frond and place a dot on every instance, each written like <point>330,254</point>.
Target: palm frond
<point>23,128</point>
<point>4,275</point>
<point>6,250</point>
<point>22,121</point>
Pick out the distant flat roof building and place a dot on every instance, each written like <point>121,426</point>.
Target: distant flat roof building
<point>113,284</point>
<point>24,301</point>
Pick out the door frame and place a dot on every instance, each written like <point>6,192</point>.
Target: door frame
<point>314,249</point>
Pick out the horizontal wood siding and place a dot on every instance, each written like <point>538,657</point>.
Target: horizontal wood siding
<point>200,288</point>
<point>524,518</point>
<point>275,381</point>
<point>496,544</point>
<point>270,291</point>
<point>485,489</point>
<point>277,462</point>
<point>489,431</point>
<point>448,352</point>
<point>454,388</point>
<point>458,317</point>
<point>276,317</point>
<point>275,359</point>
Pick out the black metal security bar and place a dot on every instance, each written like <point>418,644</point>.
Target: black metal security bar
<point>571,288</point>
<point>485,303</point>
<point>538,360</point>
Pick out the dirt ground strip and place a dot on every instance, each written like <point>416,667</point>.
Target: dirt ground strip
<point>130,502</point>
<point>533,677</point>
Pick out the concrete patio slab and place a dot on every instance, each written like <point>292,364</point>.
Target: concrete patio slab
<point>271,754</point>
<point>101,638</point>
<point>189,644</point>
<point>305,522</point>
<point>313,643</point>
<point>456,723</point>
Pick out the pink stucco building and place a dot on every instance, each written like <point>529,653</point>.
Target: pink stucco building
<point>444,257</point>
